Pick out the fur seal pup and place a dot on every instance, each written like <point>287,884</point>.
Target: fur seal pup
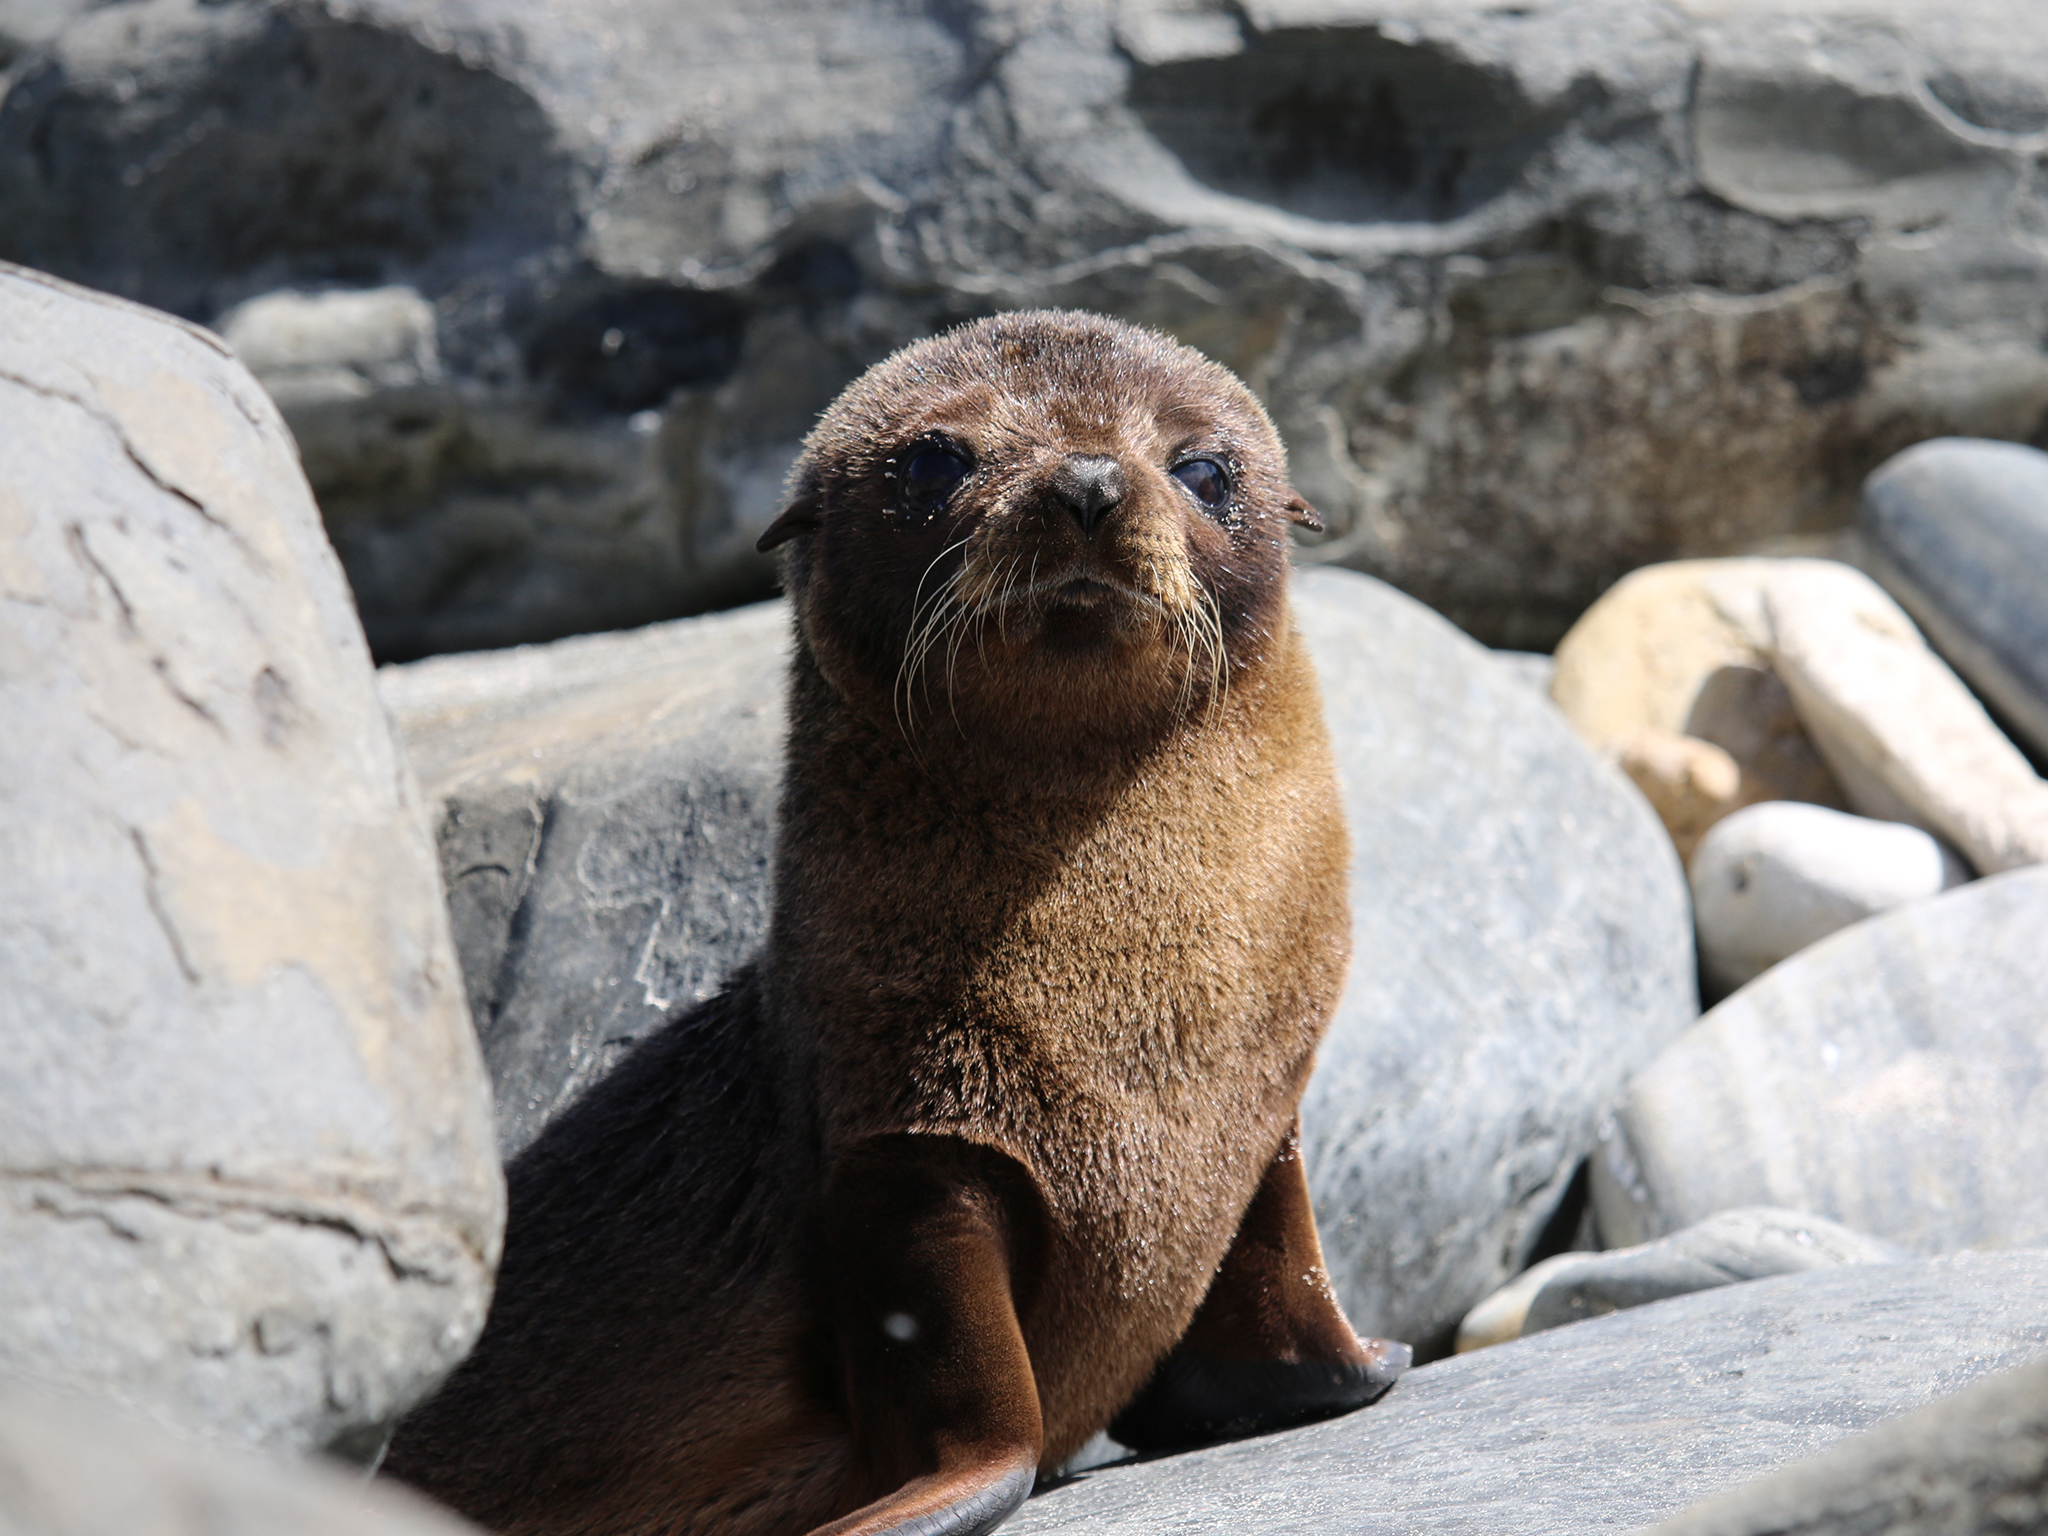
<point>995,1141</point>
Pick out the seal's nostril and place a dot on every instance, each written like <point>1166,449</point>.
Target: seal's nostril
<point>1090,485</point>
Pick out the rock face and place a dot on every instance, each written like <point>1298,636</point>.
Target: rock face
<point>1958,533</point>
<point>1904,736</point>
<point>246,1178</point>
<point>1609,1425</point>
<point>1669,674</point>
<point>1774,878</point>
<point>69,1468</point>
<point>1975,1464</point>
<point>1453,245</point>
<point>1752,1243</point>
<point>1893,1078</point>
<point>1521,933</point>
<point>607,812</point>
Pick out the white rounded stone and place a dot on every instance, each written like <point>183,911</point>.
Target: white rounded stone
<point>1776,877</point>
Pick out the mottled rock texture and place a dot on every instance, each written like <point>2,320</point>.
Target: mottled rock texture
<point>1609,1425</point>
<point>1958,532</point>
<point>71,1467</point>
<point>1894,1078</point>
<point>1521,928</point>
<point>1538,293</point>
<point>246,1177</point>
<point>607,811</point>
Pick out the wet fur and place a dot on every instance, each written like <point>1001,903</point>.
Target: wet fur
<point>1063,886</point>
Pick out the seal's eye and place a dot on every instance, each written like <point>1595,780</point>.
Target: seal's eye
<point>929,478</point>
<point>1206,480</point>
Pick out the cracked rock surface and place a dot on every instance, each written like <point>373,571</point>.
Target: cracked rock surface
<point>246,1175</point>
<point>1537,293</point>
<point>607,820</point>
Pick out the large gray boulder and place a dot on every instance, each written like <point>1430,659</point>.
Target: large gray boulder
<point>1538,293</point>
<point>1521,929</point>
<point>72,1468</point>
<point>1607,1425</point>
<point>607,812</point>
<point>1521,943</point>
<point>246,1176</point>
<point>1894,1078</point>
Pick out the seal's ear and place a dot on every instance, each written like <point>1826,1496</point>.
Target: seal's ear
<point>1299,511</point>
<point>800,516</point>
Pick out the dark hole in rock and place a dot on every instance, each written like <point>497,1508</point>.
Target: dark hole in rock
<point>2001,103</point>
<point>1824,380</point>
<point>628,348</point>
<point>1343,124</point>
<point>816,271</point>
<point>303,150</point>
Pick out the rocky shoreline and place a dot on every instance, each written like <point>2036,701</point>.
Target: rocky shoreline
<point>1687,1102</point>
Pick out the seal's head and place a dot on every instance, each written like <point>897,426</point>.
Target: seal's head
<point>1042,521</point>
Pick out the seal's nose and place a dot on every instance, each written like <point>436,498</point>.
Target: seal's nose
<point>1090,485</point>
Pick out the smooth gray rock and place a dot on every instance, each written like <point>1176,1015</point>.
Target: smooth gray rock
<point>71,1467</point>
<point>1958,532</point>
<point>1521,944</point>
<point>1522,939</point>
<point>1725,1249</point>
<point>1608,1425</point>
<point>1894,1078</point>
<point>607,812</point>
<point>1773,878</point>
<point>1452,245</point>
<point>246,1175</point>
<point>1975,1464</point>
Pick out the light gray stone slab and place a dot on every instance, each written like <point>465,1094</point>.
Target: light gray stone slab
<point>1958,533</point>
<point>246,1175</point>
<point>1607,1425</point>
<point>1894,1078</point>
<point>1727,1248</point>
<point>71,1467</point>
<point>1974,1464</point>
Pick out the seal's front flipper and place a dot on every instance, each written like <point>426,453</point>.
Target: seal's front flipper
<point>930,1245</point>
<point>1269,1346</point>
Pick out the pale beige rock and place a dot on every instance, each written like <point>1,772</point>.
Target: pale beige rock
<point>246,1172</point>
<point>1690,783</point>
<point>1669,673</point>
<point>1906,739</point>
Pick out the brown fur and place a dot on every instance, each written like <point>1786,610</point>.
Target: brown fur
<point>1060,915</point>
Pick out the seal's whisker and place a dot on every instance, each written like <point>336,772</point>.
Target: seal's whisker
<point>1219,656</point>
<point>925,615</point>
